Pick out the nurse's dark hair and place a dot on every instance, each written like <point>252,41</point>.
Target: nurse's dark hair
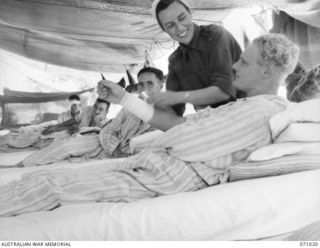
<point>163,4</point>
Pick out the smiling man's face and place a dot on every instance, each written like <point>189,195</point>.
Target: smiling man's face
<point>177,22</point>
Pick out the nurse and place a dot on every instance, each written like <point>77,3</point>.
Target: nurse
<point>200,69</point>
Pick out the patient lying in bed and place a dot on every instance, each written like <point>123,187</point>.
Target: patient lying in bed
<point>37,135</point>
<point>41,135</point>
<point>199,152</point>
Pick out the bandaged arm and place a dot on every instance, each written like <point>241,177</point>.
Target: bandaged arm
<point>162,119</point>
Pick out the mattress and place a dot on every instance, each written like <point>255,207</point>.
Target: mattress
<point>244,210</point>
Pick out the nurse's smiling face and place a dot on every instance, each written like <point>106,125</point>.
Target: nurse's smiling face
<point>176,20</point>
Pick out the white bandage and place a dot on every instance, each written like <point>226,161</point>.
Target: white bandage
<point>138,107</point>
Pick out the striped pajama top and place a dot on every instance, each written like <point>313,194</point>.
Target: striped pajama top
<point>214,139</point>
<point>120,130</point>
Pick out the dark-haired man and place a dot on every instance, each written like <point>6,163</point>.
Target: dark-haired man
<point>96,115</point>
<point>116,136</point>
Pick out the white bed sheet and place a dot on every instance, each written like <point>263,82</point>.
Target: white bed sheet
<point>12,158</point>
<point>243,210</point>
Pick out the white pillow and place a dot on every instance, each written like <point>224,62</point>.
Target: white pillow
<point>281,149</point>
<point>302,132</point>
<point>307,111</point>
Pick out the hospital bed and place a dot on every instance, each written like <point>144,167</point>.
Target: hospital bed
<point>256,209</point>
<point>273,207</point>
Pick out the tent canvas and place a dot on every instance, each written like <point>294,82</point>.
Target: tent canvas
<point>12,96</point>
<point>102,35</point>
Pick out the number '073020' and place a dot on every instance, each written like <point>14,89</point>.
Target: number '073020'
<point>309,243</point>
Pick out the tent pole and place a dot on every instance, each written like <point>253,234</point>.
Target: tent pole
<point>2,104</point>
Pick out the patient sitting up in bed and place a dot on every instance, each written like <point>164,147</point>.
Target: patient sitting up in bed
<point>113,140</point>
<point>77,118</point>
<point>96,115</point>
<point>91,118</point>
<point>116,136</point>
<point>195,152</point>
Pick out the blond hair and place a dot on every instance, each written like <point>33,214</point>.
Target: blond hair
<point>279,50</point>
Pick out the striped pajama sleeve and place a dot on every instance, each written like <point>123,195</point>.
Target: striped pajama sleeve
<point>214,139</point>
<point>63,149</point>
<point>146,175</point>
<point>110,135</point>
<point>119,132</point>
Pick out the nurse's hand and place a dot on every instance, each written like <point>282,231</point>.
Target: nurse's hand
<point>163,99</point>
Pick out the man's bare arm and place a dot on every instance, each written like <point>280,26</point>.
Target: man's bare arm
<point>163,119</point>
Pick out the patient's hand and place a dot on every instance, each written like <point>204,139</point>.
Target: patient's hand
<point>99,119</point>
<point>110,91</point>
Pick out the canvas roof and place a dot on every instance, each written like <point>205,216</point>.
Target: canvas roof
<point>12,96</point>
<point>101,35</point>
